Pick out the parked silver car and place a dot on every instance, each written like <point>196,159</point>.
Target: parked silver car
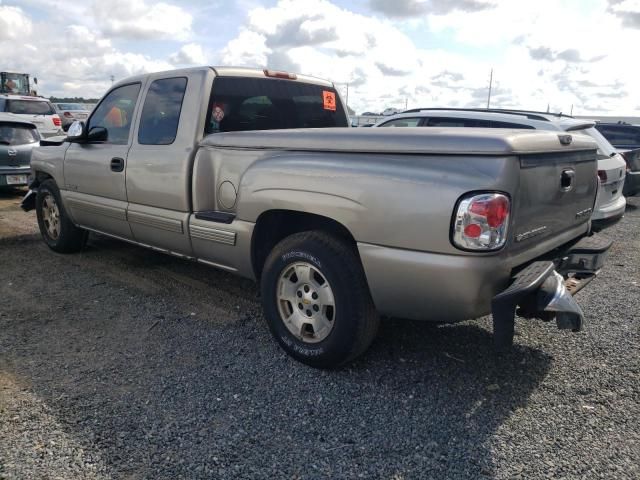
<point>70,112</point>
<point>17,140</point>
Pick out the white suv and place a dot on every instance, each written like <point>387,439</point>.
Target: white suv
<point>36,110</point>
<point>610,204</point>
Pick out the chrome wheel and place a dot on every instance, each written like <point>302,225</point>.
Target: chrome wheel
<point>51,216</point>
<point>306,302</point>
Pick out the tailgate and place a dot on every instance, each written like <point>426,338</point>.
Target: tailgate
<point>557,194</point>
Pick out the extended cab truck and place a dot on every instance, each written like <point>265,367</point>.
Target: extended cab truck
<point>338,225</point>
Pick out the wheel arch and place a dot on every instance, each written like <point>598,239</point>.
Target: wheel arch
<point>274,225</point>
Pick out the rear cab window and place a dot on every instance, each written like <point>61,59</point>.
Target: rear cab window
<point>240,104</point>
<point>29,107</point>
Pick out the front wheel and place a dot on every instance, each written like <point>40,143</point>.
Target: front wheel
<point>56,228</point>
<point>316,300</point>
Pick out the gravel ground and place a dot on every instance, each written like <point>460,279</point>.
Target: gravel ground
<point>121,363</point>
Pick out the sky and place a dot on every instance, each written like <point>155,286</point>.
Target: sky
<point>556,54</point>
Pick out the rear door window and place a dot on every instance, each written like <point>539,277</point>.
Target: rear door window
<point>239,104</point>
<point>161,111</point>
<point>29,107</point>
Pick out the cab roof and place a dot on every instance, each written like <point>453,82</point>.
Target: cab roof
<point>230,72</point>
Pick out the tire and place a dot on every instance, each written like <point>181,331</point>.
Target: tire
<point>56,228</point>
<point>345,321</point>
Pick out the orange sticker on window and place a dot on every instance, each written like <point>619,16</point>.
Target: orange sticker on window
<point>329,100</point>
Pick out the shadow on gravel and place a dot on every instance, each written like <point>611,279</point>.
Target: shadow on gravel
<point>159,394</point>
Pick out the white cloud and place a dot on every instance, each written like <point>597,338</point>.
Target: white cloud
<point>72,60</point>
<point>189,54</point>
<point>140,20</point>
<point>543,53</point>
<point>14,23</point>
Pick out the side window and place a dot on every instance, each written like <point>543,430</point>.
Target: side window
<point>115,113</point>
<point>403,122</point>
<point>161,111</point>
<point>511,125</point>
<point>454,122</point>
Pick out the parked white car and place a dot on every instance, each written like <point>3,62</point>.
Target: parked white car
<point>36,110</point>
<point>610,204</point>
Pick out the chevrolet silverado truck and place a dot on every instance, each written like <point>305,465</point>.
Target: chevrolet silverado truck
<point>254,172</point>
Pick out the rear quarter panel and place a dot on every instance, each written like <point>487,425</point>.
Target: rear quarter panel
<point>401,201</point>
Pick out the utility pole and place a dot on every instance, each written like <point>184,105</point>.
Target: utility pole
<point>112,78</point>
<point>571,110</point>
<point>490,86</point>
<point>347,95</point>
<point>406,104</point>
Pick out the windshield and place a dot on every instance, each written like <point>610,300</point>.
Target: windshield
<point>69,106</point>
<point>604,147</point>
<point>29,107</point>
<point>239,104</point>
<point>15,134</point>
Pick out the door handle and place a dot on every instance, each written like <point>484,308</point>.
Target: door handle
<point>117,164</point>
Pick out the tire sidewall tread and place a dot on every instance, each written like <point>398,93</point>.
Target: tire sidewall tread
<point>356,319</point>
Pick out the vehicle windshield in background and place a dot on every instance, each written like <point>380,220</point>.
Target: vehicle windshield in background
<point>240,104</point>
<point>604,147</point>
<point>14,134</point>
<point>69,106</point>
<point>29,107</point>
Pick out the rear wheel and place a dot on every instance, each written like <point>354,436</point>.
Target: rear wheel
<point>56,228</point>
<point>316,300</point>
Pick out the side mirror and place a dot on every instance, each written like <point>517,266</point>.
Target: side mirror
<point>76,132</point>
<point>97,134</point>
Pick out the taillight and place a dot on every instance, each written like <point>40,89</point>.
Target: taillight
<point>481,221</point>
<point>68,114</point>
<point>602,175</point>
<point>56,121</point>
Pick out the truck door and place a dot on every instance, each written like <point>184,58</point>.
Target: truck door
<point>95,188</point>
<point>160,161</point>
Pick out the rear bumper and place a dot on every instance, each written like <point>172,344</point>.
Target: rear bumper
<point>442,288</point>
<point>5,171</point>
<point>610,211</point>
<point>545,289</point>
<point>631,184</point>
<point>51,133</point>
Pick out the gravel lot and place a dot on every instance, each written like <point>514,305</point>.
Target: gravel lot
<point>121,363</point>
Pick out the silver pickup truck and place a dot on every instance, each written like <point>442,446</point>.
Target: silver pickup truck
<point>253,172</point>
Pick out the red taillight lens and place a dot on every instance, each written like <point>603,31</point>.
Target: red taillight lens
<point>473,231</point>
<point>56,121</point>
<point>68,114</point>
<point>481,221</point>
<point>495,210</point>
<point>602,175</point>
